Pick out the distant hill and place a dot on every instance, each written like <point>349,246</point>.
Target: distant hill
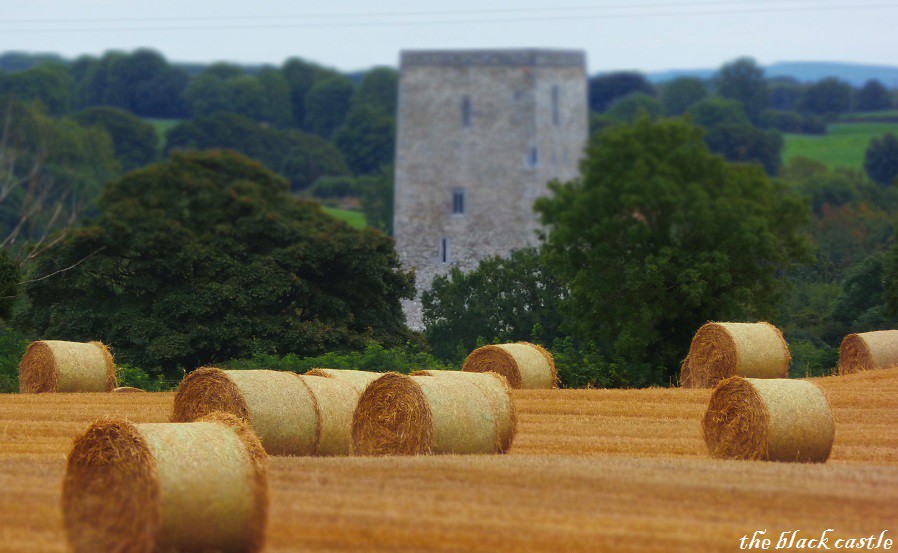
<point>855,73</point>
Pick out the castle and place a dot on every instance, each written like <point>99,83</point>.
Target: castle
<point>480,133</point>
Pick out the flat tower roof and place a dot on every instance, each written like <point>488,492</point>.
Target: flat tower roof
<point>530,57</point>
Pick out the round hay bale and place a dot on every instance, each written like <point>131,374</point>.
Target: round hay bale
<point>769,419</point>
<point>57,366</point>
<point>359,380</point>
<point>198,486</point>
<point>128,390</point>
<point>523,364</point>
<point>336,402</point>
<point>278,405</point>
<point>497,390</point>
<point>415,415</point>
<point>721,350</point>
<point>868,350</point>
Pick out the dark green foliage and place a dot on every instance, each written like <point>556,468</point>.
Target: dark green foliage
<point>134,140</point>
<point>503,299</point>
<point>873,96</point>
<point>377,199</point>
<point>585,366</point>
<point>829,96</point>
<point>629,108</point>
<point>374,358</point>
<point>264,97</point>
<point>792,122</point>
<point>9,285</point>
<point>881,159</point>
<point>12,348</point>
<point>327,104</point>
<point>715,111</point>
<point>299,156</point>
<point>206,257</point>
<point>367,139</point>
<point>785,95</point>
<point>301,75</point>
<point>605,89</point>
<point>680,94</point>
<point>378,91</point>
<point>659,236</point>
<point>743,81</point>
<point>49,83</point>
<point>138,378</point>
<point>747,144</point>
<point>327,188</point>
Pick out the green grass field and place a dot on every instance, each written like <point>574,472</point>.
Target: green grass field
<point>356,219</point>
<point>843,146</point>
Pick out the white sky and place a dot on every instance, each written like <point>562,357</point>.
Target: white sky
<point>646,35</point>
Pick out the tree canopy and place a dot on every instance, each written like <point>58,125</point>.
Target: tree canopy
<point>881,159</point>
<point>206,257</point>
<point>134,140</point>
<point>605,89</point>
<point>743,81</point>
<point>659,236</point>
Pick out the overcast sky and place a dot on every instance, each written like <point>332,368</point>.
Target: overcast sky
<point>646,35</point>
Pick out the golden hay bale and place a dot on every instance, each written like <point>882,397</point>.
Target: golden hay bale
<point>769,419</point>
<point>359,380</point>
<point>127,390</point>
<point>278,405</point>
<point>721,350</point>
<point>200,486</point>
<point>496,388</point>
<point>523,364</point>
<point>56,366</point>
<point>414,415</point>
<point>336,401</point>
<point>868,350</point>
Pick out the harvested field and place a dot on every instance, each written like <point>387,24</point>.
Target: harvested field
<point>623,469</point>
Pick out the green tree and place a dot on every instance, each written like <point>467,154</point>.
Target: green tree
<point>134,140</point>
<point>715,111</point>
<point>873,96</point>
<point>680,94</point>
<point>605,89</point>
<point>785,94</point>
<point>378,90</point>
<point>503,298</point>
<point>206,257</point>
<point>825,97</point>
<point>881,159</point>
<point>301,76</point>
<point>629,108</point>
<point>743,81</point>
<point>659,236</point>
<point>327,104</point>
<point>747,144</point>
<point>49,83</point>
<point>367,139</point>
<point>377,198</point>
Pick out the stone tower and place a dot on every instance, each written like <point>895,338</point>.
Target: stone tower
<point>480,134</point>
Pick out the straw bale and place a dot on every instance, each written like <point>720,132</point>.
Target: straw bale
<point>721,350</point>
<point>57,366</point>
<point>199,486</point>
<point>278,405</point>
<point>414,415</point>
<point>769,419</point>
<point>359,380</point>
<point>496,388</point>
<point>127,390</point>
<point>868,350</point>
<point>336,401</point>
<point>524,365</point>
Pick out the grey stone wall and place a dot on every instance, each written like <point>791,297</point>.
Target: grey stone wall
<point>515,143</point>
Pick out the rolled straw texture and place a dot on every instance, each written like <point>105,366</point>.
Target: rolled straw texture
<point>868,350</point>
<point>359,380</point>
<point>769,419</point>
<point>336,401</point>
<point>497,390</point>
<point>128,390</point>
<point>57,366</point>
<point>415,415</point>
<point>198,486</point>
<point>721,350</point>
<point>278,405</point>
<point>523,365</point>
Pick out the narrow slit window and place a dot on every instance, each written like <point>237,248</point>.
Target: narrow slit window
<point>533,157</point>
<point>444,250</point>
<point>556,114</point>
<point>458,202</point>
<point>466,111</point>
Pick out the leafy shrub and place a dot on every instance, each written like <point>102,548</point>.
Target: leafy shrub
<point>12,348</point>
<point>809,359</point>
<point>373,358</point>
<point>129,375</point>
